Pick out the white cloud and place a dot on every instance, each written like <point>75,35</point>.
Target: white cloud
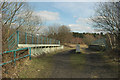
<point>74,16</point>
<point>83,20</point>
<point>81,28</point>
<point>82,25</point>
<point>79,9</point>
<point>47,15</point>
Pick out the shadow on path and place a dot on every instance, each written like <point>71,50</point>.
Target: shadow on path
<point>92,66</point>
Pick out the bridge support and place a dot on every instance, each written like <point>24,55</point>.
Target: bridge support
<point>38,49</point>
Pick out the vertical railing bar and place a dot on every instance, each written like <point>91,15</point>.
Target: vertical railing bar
<point>30,53</point>
<point>50,41</point>
<point>41,39</point>
<point>25,38</point>
<point>14,57</point>
<point>17,38</point>
<point>32,38</point>
<point>47,40</point>
<point>37,39</point>
<point>56,41</point>
<point>44,40</point>
<point>53,41</point>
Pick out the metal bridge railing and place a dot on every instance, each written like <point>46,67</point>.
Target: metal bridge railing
<point>26,38</point>
<point>11,41</point>
<point>15,55</point>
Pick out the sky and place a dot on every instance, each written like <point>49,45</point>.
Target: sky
<point>76,15</point>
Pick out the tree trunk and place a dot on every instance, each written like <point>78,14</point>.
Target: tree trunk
<point>110,41</point>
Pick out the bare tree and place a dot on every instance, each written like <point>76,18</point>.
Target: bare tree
<point>52,31</point>
<point>21,15</point>
<point>64,34</point>
<point>107,19</point>
<point>9,11</point>
<point>88,39</point>
<point>33,24</point>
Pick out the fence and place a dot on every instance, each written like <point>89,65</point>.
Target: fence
<point>15,55</point>
<point>26,38</point>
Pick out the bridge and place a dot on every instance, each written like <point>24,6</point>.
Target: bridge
<point>30,45</point>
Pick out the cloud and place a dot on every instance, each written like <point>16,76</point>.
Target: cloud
<point>81,28</point>
<point>74,16</point>
<point>82,25</point>
<point>83,20</point>
<point>47,15</point>
<point>79,9</point>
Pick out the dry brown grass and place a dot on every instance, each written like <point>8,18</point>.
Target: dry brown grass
<point>113,55</point>
<point>10,70</point>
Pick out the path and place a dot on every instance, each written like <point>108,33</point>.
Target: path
<point>67,64</point>
<point>95,66</point>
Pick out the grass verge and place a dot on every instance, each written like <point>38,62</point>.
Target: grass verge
<point>39,67</point>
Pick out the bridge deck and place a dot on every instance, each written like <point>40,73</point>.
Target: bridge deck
<point>38,45</point>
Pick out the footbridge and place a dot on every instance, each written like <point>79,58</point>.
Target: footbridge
<point>39,44</point>
<point>30,45</point>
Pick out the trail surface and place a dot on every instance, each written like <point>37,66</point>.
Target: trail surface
<point>68,64</point>
<point>92,65</point>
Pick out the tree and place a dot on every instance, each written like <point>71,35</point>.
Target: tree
<point>64,34</point>
<point>52,31</point>
<point>20,15</point>
<point>107,18</point>
<point>9,12</point>
<point>59,32</point>
<point>88,39</point>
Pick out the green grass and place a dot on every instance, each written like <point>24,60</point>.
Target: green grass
<point>77,61</point>
<point>39,67</point>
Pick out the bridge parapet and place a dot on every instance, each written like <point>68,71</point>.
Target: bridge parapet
<point>38,49</point>
<point>38,45</point>
<point>22,38</point>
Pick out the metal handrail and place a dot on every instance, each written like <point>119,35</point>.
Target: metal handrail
<point>14,60</point>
